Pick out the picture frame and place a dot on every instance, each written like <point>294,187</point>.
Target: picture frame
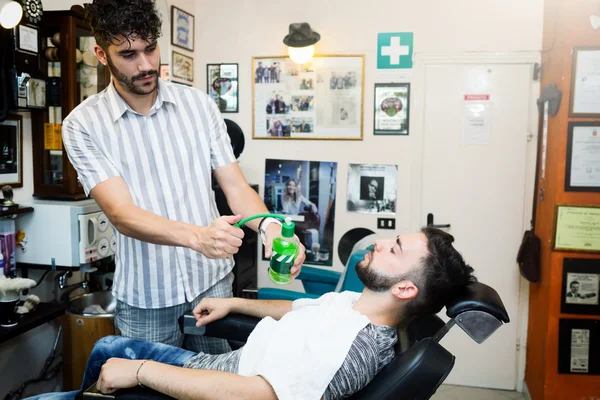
<point>164,72</point>
<point>182,28</point>
<point>582,169</point>
<point>585,83</point>
<point>580,286</point>
<point>578,341</point>
<point>577,228</point>
<point>222,85</point>
<point>182,67</point>
<point>27,38</point>
<point>391,112</point>
<point>287,97</point>
<point>11,151</point>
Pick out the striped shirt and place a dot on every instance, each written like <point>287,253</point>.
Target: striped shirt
<point>166,159</point>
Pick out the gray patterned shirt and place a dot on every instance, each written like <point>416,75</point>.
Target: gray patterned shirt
<point>165,158</point>
<point>372,350</point>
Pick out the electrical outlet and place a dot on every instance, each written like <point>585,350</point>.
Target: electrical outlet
<point>386,223</point>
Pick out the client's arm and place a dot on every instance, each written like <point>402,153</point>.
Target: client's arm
<point>211,309</point>
<point>182,383</point>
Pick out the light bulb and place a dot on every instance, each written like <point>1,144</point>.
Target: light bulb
<point>301,55</point>
<point>10,14</point>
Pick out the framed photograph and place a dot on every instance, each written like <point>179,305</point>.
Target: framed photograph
<point>183,67</point>
<point>321,99</point>
<point>27,38</point>
<point>578,341</point>
<point>580,286</point>
<point>583,157</point>
<point>577,228</point>
<point>305,190</point>
<point>392,109</point>
<point>182,25</point>
<point>164,72</point>
<point>222,86</point>
<point>11,152</point>
<point>372,188</point>
<point>585,83</point>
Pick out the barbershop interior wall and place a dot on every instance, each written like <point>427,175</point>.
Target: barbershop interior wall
<point>235,31</point>
<point>23,357</point>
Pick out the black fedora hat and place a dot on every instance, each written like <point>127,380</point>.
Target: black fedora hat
<point>301,35</point>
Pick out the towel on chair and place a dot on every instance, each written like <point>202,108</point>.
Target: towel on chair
<point>300,354</point>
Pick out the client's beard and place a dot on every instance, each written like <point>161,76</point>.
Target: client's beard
<point>373,280</point>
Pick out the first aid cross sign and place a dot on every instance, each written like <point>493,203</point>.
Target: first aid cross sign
<point>394,50</point>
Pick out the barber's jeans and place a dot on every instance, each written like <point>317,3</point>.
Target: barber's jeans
<point>120,347</point>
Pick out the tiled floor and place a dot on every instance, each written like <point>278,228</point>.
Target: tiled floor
<point>450,392</point>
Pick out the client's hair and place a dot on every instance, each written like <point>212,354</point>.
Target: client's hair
<point>443,272</point>
<point>132,19</point>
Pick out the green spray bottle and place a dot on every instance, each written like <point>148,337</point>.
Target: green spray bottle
<point>284,249</point>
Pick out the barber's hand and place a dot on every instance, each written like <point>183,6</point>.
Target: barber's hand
<point>118,373</point>
<point>211,309</point>
<point>220,239</point>
<point>272,231</point>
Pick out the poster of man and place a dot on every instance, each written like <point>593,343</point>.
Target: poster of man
<point>582,288</point>
<point>372,188</point>
<point>305,191</point>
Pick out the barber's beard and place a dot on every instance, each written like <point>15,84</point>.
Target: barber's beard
<point>374,280</point>
<point>129,82</point>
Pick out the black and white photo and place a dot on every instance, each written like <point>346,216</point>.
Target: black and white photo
<point>372,188</point>
<point>11,151</point>
<point>582,288</point>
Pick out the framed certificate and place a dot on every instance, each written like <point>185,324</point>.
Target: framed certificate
<point>580,286</point>
<point>583,157</point>
<point>577,228</point>
<point>578,341</point>
<point>585,82</point>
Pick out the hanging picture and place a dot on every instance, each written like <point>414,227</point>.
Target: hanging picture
<point>585,83</point>
<point>321,99</point>
<point>582,173</point>
<point>580,286</point>
<point>183,67</point>
<point>222,86</point>
<point>182,25</point>
<point>391,113</point>
<point>11,151</point>
<point>164,72</point>
<point>372,188</point>
<point>305,191</point>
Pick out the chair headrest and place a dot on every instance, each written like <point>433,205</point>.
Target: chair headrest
<point>477,297</point>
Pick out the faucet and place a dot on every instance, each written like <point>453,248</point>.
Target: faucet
<point>61,280</point>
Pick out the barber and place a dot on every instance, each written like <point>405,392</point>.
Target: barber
<point>144,149</point>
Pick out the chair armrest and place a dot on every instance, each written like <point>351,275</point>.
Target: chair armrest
<point>477,297</point>
<point>236,327</point>
<point>319,275</point>
<point>282,294</point>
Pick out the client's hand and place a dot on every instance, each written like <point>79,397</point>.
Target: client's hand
<point>117,373</point>
<point>211,309</point>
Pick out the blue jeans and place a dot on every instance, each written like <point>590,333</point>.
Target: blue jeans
<point>120,347</point>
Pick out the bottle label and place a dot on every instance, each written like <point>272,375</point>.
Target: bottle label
<point>282,264</point>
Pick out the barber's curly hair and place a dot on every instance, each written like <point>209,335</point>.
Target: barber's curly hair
<point>133,19</point>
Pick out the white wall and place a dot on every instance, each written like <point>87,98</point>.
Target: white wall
<point>235,31</point>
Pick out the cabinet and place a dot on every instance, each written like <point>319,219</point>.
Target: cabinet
<point>74,74</point>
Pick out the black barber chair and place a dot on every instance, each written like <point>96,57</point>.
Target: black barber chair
<point>421,363</point>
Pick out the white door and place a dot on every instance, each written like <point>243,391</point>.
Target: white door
<point>476,183</point>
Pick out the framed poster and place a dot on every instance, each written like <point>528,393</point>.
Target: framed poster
<point>585,83</point>
<point>222,86</point>
<point>580,286</point>
<point>182,25</point>
<point>578,343</point>
<point>11,151</point>
<point>164,72</point>
<point>322,99</point>
<point>305,191</point>
<point>391,113</point>
<point>583,157</point>
<point>372,188</point>
<point>577,228</point>
<point>183,67</point>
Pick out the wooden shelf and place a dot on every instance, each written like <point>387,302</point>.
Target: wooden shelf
<point>8,213</point>
<point>43,313</point>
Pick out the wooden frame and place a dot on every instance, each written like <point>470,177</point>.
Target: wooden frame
<point>7,155</point>
<point>178,71</point>
<point>569,187</point>
<point>296,119</point>
<point>225,106</point>
<point>558,243</point>
<point>392,102</point>
<point>577,82</point>
<point>178,27</point>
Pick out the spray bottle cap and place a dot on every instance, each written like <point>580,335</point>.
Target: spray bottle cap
<point>287,229</point>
